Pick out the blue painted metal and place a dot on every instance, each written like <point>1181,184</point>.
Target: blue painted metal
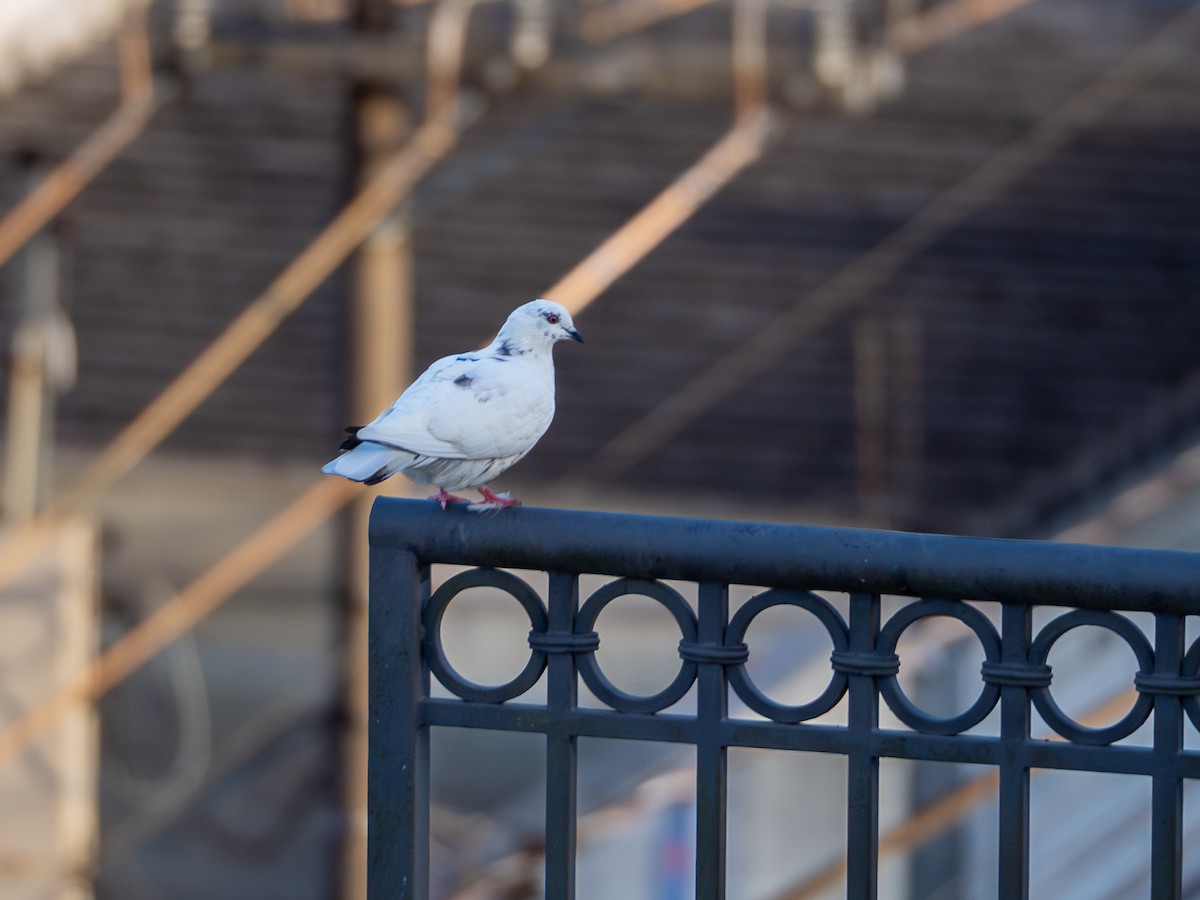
<point>942,573</point>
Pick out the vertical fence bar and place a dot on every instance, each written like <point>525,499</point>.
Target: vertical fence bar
<point>712,707</point>
<point>862,813</point>
<point>1166,829</point>
<point>1016,629</point>
<point>398,758</point>
<point>562,694</point>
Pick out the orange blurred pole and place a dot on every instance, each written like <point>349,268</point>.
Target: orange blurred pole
<point>630,244</point>
<point>599,26</point>
<point>733,152</point>
<point>101,147</point>
<point>749,57</point>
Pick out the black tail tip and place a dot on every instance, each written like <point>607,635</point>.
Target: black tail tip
<point>353,441</point>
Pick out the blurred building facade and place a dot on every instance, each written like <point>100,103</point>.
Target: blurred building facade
<point>1010,373</point>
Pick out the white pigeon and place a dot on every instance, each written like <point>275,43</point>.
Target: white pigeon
<point>469,416</point>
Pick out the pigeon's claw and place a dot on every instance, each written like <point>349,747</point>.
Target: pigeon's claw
<point>492,502</point>
<point>443,497</point>
<point>498,499</point>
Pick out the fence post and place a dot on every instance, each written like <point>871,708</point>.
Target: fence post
<point>712,707</point>
<point>1016,624</point>
<point>862,814</point>
<point>398,761</point>
<point>1166,823</point>
<point>561,745</point>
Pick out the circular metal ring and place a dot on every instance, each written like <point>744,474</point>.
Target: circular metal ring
<point>589,668</point>
<point>1063,724</point>
<point>1191,668</point>
<point>889,688</point>
<point>745,687</point>
<point>435,609</point>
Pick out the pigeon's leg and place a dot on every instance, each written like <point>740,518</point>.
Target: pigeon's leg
<point>443,497</point>
<point>492,502</point>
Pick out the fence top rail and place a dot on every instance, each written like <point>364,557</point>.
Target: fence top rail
<point>842,559</point>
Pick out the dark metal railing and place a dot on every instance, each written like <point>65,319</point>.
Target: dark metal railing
<point>407,537</point>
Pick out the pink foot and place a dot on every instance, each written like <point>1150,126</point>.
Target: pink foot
<point>493,501</point>
<point>443,498</point>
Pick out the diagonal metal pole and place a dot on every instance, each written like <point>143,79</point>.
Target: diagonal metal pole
<point>740,146</point>
<point>599,26</point>
<point>139,101</point>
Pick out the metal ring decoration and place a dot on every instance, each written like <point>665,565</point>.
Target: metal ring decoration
<point>435,654</point>
<point>589,668</point>
<point>889,688</point>
<point>1063,724</point>
<point>749,692</point>
<point>1191,669</point>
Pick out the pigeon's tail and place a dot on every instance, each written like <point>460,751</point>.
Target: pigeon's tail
<point>367,462</point>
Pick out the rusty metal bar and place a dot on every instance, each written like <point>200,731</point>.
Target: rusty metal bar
<point>138,103</point>
<point>599,26</point>
<point>631,243</point>
<point>749,57</point>
<point>730,155</point>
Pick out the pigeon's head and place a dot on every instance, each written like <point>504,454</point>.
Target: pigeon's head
<point>539,323</point>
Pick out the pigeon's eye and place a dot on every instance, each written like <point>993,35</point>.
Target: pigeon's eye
<point>552,318</point>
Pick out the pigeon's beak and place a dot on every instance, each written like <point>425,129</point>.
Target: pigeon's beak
<point>575,335</point>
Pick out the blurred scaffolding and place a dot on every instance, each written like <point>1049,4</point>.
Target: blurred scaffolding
<point>399,83</point>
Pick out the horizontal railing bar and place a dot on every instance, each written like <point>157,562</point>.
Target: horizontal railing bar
<point>601,723</point>
<point>960,748</point>
<point>840,559</point>
<point>679,729</point>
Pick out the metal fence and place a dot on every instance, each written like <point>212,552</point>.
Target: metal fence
<point>788,563</point>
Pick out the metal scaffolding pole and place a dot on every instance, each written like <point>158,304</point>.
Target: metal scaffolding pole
<point>740,146</point>
<point>380,332</point>
<point>139,100</point>
<point>607,23</point>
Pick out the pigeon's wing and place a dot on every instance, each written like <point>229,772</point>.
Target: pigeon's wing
<point>468,407</point>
